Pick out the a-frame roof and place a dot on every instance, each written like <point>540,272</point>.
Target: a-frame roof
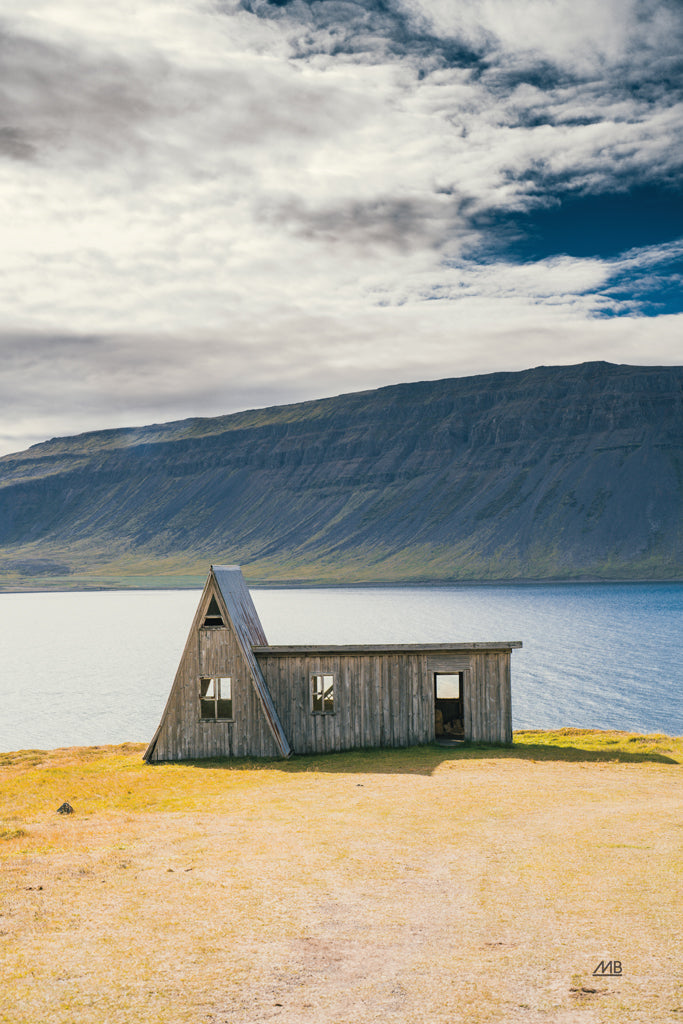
<point>249,631</point>
<point>239,605</point>
<point>228,584</point>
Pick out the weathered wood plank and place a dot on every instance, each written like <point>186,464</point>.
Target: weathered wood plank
<point>507,697</point>
<point>297,684</point>
<point>475,702</point>
<point>376,715</point>
<point>405,704</point>
<point>493,645</point>
<point>354,675</point>
<point>362,700</point>
<point>489,684</point>
<point>417,735</point>
<point>386,702</point>
<point>394,698</point>
<point>426,697</point>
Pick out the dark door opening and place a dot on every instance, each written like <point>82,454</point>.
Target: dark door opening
<point>448,705</point>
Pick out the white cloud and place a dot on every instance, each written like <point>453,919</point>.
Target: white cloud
<point>576,34</point>
<point>206,208</point>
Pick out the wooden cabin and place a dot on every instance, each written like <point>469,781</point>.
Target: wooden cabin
<point>236,696</point>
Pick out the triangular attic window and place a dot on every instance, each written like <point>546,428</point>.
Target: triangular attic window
<point>213,615</point>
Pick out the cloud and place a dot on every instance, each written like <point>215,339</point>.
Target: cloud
<point>57,97</point>
<point>213,204</point>
<point>53,386</point>
<point>572,36</point>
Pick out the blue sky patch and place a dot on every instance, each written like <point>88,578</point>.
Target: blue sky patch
<point>600,226</point>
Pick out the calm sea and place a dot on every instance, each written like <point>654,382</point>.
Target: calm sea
<point>92,668</point>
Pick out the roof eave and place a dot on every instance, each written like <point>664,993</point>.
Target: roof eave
<point>450,648</point>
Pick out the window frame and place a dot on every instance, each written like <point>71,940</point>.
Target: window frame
<point>313,676</point>
<point>461,684</point>
<point>454,707</point>
<point>216,699</point>
<point>213,615</point>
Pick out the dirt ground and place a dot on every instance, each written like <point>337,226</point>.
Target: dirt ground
<point>457,890</point>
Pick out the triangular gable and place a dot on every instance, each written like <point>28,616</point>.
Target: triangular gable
<point>249,631</point>
<point>196,622</point>
<point>235,606</point>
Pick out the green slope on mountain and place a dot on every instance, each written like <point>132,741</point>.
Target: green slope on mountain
<point>552,473</point>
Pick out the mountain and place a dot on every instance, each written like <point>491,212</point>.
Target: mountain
<point>555,473</point>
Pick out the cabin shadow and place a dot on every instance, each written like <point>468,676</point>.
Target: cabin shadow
<point>424,760</point>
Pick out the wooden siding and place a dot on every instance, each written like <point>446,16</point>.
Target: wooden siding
<point>486,693</point>
<point>381,700</point>
<point>182,735</point>
<point>238,609</point>
<point>445,649</point>
<point>385,699</point>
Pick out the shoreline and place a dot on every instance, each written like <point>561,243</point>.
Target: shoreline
<point>155,583</point>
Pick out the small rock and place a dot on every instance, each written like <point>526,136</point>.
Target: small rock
<point>66,808</point>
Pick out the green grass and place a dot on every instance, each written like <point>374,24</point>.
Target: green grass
<point>114,777</point>
<point>598,745</point>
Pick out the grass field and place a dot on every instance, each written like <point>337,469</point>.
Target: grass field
<point>424,885</point>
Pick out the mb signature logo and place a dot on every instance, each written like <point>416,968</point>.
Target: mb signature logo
<point>608,969</point>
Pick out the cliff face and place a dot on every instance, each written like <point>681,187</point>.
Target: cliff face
<point>552,473</point>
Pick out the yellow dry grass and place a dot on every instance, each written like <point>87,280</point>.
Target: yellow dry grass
<point>426,885</point>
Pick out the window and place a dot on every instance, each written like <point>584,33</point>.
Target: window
<point>215,698</point>
<point>448,685</point>
<point>213,615</point>
<point>322,694</point>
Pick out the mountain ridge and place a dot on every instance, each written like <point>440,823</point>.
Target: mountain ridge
<point>561,472</point>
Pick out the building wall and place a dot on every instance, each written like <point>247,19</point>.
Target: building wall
<point>386,700</point>
<point>488,707</point>
<point>380,700</point>
<point>183,736</point>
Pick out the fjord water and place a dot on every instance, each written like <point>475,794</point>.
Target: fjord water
<point>93,668</point>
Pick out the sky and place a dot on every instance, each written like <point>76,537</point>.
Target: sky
<point>215,205</point>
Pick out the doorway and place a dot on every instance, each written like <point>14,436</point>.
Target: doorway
<point>448,705</point>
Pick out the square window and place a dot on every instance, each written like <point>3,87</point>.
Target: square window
<point>215,698</point>
<point>448,685</point>
<point>322,694</point>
